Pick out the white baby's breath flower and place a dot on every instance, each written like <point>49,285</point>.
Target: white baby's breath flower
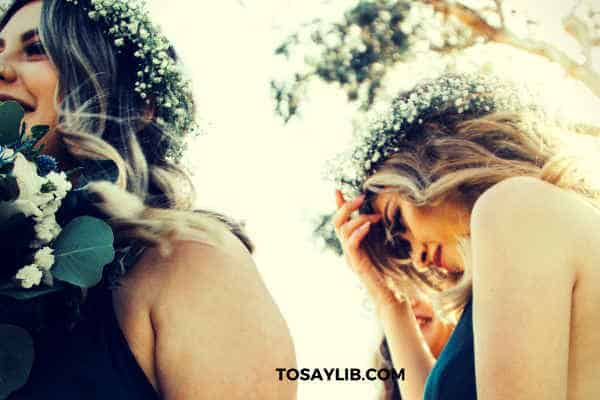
<point>29,276</point>
<point>28,208</point>
<point>27,177</point>
<point>51,208</point>
<point>46,230</point>
<point>44,258</point>
<point>60,182</point>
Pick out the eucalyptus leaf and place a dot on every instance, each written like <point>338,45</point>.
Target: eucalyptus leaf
<point>82,250</point>
<point>11,114</point>
<point>16,358</point>
<point>38,131</point>
<point>27,294</point>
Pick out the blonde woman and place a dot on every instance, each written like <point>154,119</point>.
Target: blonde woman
<point>188,315</point>
<point>462,192</point>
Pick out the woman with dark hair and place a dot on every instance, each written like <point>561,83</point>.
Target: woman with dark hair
<point>468,191</point>
<point>182,312</point>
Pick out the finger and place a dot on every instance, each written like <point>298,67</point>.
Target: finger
<point>339,198</point>
<point>342,215</point>
<point>349,227</point>
<point>357,236</point>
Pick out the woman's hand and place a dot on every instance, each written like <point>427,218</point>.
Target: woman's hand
<point>406,343</point>
<point>351,232</point>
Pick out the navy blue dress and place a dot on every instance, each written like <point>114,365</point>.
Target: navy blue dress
<point>92,361</point>
<point>453,375</point>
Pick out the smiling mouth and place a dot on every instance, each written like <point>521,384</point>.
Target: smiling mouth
<point>26,106</point>
<point>423,320</point>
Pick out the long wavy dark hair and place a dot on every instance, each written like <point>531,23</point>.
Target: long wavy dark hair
<point>101,117</point>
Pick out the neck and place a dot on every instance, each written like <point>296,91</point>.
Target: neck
<point>443,338</point>
<point>55,147</point>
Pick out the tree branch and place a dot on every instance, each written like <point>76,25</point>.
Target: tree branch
<point>478,24</point>
<point>500,12</point>
<point>576,70</point>
<point>581,33</point>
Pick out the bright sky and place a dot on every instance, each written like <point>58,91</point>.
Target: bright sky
<point>254,168</point>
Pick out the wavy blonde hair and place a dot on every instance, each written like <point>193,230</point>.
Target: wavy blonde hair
<point>458,157</point>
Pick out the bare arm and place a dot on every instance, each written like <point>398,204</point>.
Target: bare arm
<point>407,347</point>
<point>523,277</point>
<point>219,334</point>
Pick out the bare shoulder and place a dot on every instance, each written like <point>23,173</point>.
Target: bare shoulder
<point>524,199</point>
<point>218,331</point>
<point>519,193</point>
<point>526,208</point>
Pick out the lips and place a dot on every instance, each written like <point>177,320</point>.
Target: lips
<point>26,106</point>
<point>422,319</point>
<point>437,258</point>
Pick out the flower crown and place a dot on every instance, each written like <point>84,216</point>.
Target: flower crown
<point>451,93</point>
<point>159,77</point>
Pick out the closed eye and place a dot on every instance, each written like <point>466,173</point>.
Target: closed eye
<point>397,245</point>
<point>32,45</point>
<point>35,49</point>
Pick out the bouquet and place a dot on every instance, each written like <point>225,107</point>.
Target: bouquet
<point>43,250</point>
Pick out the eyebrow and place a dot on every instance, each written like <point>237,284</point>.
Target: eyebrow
<point>30,34</point>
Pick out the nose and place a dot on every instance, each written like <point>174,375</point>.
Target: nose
<point>7,73</point>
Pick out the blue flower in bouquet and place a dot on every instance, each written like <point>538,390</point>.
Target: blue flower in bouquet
<point>46,164</point>
<point>40,255</point>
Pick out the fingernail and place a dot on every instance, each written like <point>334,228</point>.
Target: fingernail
<point>365,226</point>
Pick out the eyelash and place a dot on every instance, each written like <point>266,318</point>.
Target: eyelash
<point>35,49</point>
<point>399,246</point>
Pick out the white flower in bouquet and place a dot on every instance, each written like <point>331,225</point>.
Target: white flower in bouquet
<point>44,259</point>
<point>29,276</point>
<point>60,182</point>
<point>30,184</point>
<point>46,229</point>
<point>39,197</point>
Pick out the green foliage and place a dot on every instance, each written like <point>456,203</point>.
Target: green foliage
<point>11,114</point>
<point>13,133</point>
<point>357,52</point>
<point>325,232</point>
<point>82,250</point>
<point>16,358</point>
<point>17,293</point>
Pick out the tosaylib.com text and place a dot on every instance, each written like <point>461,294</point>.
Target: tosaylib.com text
<point>339,374</point>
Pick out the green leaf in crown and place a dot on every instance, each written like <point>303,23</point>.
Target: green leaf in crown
<point>82,250</point>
